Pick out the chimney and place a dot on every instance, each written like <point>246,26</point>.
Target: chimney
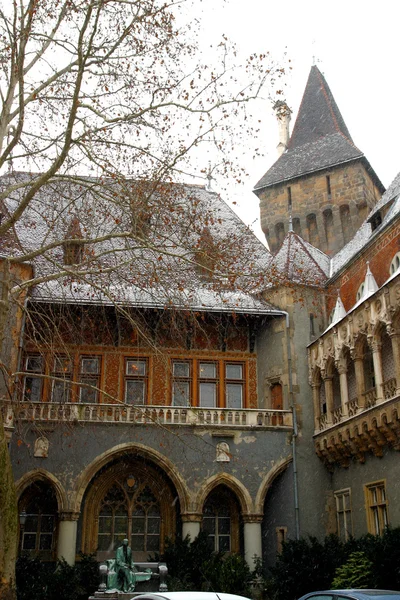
<point>283,114</point>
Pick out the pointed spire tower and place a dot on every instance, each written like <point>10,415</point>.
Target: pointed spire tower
<point>322,179</point>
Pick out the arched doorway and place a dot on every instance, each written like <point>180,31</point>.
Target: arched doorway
<point>129,498</point>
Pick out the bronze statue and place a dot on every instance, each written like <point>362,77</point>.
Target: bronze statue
<point>122,573</point>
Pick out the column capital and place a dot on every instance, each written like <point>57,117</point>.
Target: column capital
<point>252,518</point>
<point>191,517</point>
<point>68,515</point>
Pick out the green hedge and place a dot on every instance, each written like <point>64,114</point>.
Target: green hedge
<point>307,565</point>
<point>38,580</point>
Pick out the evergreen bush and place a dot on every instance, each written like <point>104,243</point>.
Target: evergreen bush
<point>355,573</point>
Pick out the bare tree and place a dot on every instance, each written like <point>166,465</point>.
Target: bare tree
<point>112,89</point>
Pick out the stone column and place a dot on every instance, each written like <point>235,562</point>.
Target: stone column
<point>360,379</point>
<point>344,390</point>
<point>252,538</point>
<point>67,528</point>
<point>376,348</point>
<point>191,525</point>
<point>329,397</point>
<point>316,387</point>
<point>395,338</point>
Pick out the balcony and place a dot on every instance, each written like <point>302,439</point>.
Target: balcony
<point>364,430</point>
<point>355,377</point>
<point>120,414</point>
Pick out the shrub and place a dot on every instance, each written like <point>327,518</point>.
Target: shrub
<point>56,581</point>
<point>356,572</point>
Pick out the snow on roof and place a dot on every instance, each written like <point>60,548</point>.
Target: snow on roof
<point>139,257</point>
<point>300,262</point>
<point>366,233</point>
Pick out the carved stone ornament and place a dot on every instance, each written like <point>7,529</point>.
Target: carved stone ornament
<point>223,452</point>
<point>378,306</point>
<point>397,292</point>
<point>344,333</point>
<point>41,448</point>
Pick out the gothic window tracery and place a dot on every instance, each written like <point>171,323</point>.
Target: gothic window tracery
<point>38,533</point>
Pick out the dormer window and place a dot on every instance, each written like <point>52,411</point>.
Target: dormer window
<point>360,292</point>
<point>73,250</point>
<point>395,264</point>
<point>206,255</point>
<point>375,220</point>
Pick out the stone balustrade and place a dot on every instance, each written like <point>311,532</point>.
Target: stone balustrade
<point>146,415</point>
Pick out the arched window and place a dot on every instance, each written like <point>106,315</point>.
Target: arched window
<point>395,264</point>
<point>38,533</point>
<point>137,518</point>
<point>221,520</point>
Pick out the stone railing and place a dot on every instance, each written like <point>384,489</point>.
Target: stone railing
<point>370,398</point>
<point>159,415</point>
<point>352,407</point>
<point>389,388</point>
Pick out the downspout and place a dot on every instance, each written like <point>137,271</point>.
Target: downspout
<point>294,436</point>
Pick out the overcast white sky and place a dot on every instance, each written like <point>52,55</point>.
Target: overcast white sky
<point>356,46</point>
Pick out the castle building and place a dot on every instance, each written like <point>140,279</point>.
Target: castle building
<point>257,415</point>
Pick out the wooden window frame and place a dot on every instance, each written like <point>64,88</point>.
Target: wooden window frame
<point>176,379</point>
<point>376,510</point>
<point>141,377</point>
<point>232,381</point>
<point>93,379</point>
<point>58,373</point>
<point>346,512</point>
<point>39,379</point>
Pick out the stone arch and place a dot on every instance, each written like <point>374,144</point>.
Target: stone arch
<point>276,470</point>
<point>143,451</point>
<point>42,475</point>
<point>240,491</point>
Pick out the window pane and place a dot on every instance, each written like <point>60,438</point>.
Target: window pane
<point>208,394</point>
<point>138,524</point>
<point>60,391</point>
<point>234,371</point>
<point>153,543</point>
<point>29,541</point>
<point>104,542</point>
<point>153,525</point>
<point>121,525</point>
<point>33,389</point>
<point>224,526</point>
<point>224,543</point>
<point>180,393</point>
<point>88,395</point>
<point>47,524</point>
<point>234,392</point>
<point>136,367</point>
<point>135,392</point>
<point>34,363</point>
<point>138,543</point>
<point>45,542</point>
<point>90,365</point>
<point>207,370</point>
<point>31,523</point>
<point>62,364</point>
<point>209,525</point>
<point>181,369</point>
<point>105,524</point>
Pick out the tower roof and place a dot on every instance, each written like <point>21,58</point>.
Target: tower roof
<point>320,138</point>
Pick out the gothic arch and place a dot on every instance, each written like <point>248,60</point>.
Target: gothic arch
<point>276,470</point>
<point>140,450</point>
<point>42,475</point>
<point>240,491</point>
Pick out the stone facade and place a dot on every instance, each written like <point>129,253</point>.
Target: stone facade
<point>327,207</point>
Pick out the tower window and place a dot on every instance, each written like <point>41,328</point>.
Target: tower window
<point>289,198</point>
<point>328,186</point>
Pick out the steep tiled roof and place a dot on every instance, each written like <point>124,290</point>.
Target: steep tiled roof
<point>300,262</point>
<point>119,268</point>
<point>320,138</point>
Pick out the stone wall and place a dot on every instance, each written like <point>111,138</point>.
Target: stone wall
<point>327,207</point>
